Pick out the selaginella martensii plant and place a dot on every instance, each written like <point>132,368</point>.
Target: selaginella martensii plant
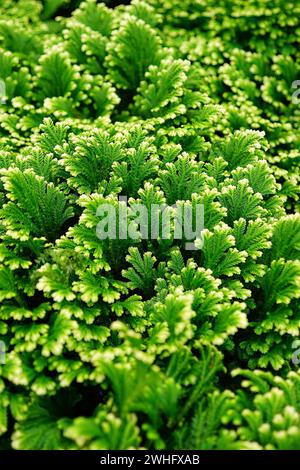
<point>128,343</point>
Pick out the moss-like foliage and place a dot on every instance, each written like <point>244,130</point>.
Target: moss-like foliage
<point>132,343</point>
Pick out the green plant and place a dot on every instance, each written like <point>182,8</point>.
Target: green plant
<point>132,342</point>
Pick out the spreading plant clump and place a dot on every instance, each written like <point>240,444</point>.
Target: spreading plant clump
<point>133,342</point>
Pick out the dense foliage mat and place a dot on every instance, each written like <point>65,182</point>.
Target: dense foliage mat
<point>135,343</point>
